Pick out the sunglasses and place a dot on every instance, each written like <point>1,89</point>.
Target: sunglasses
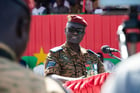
<point>77,30</point>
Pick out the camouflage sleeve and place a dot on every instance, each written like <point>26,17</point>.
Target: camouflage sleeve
<point>100,66</point>
<point>51,64</point>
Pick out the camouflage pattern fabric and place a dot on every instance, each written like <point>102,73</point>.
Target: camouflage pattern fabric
<point>65,62</point>
<point>16,79</point>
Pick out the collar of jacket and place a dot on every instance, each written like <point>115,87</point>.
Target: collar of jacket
<point>7,52</point>
<point>66,47</point>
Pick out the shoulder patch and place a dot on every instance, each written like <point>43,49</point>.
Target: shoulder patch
<point>90,51</point>
<point>51,64</point>
<point>56,49</point>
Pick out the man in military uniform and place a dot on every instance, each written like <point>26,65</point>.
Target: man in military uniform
<point>14,34</point>
<point>70,59</point>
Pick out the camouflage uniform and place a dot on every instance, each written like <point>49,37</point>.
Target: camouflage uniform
<point>15,78</point>
<point>65,62</point>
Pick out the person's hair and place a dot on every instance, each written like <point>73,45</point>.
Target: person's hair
<point>23,5</point>
<point>5,3</point>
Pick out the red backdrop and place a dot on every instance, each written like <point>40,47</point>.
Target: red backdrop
<point>48,31</point>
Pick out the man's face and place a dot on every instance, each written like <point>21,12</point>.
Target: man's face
<point>74,32</point>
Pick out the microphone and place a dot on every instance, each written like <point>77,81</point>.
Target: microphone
<point>107,49</point>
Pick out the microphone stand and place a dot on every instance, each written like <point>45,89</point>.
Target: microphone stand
<point>110,54</point>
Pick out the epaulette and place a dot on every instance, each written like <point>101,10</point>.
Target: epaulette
<point>90,51</point>
<point>56,49</point>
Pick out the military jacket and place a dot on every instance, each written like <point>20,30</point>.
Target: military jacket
<point>64,61</point>
<point>16,79</point>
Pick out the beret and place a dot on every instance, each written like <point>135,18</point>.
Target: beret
<point>76,19</point>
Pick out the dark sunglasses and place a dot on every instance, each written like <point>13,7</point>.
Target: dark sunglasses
<point>77,30</point>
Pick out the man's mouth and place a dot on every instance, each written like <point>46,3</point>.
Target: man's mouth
<point>74,37</point>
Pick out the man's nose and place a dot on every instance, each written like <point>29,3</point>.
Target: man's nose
<point>75,33</point>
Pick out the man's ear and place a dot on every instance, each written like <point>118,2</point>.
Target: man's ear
<point>21,27</point>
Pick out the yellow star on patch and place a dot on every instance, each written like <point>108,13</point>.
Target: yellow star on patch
<point>40,56</point>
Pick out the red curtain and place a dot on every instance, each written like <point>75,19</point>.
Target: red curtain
<point>47,31</point>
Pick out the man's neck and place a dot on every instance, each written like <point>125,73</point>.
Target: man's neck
<point>75,47</point>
